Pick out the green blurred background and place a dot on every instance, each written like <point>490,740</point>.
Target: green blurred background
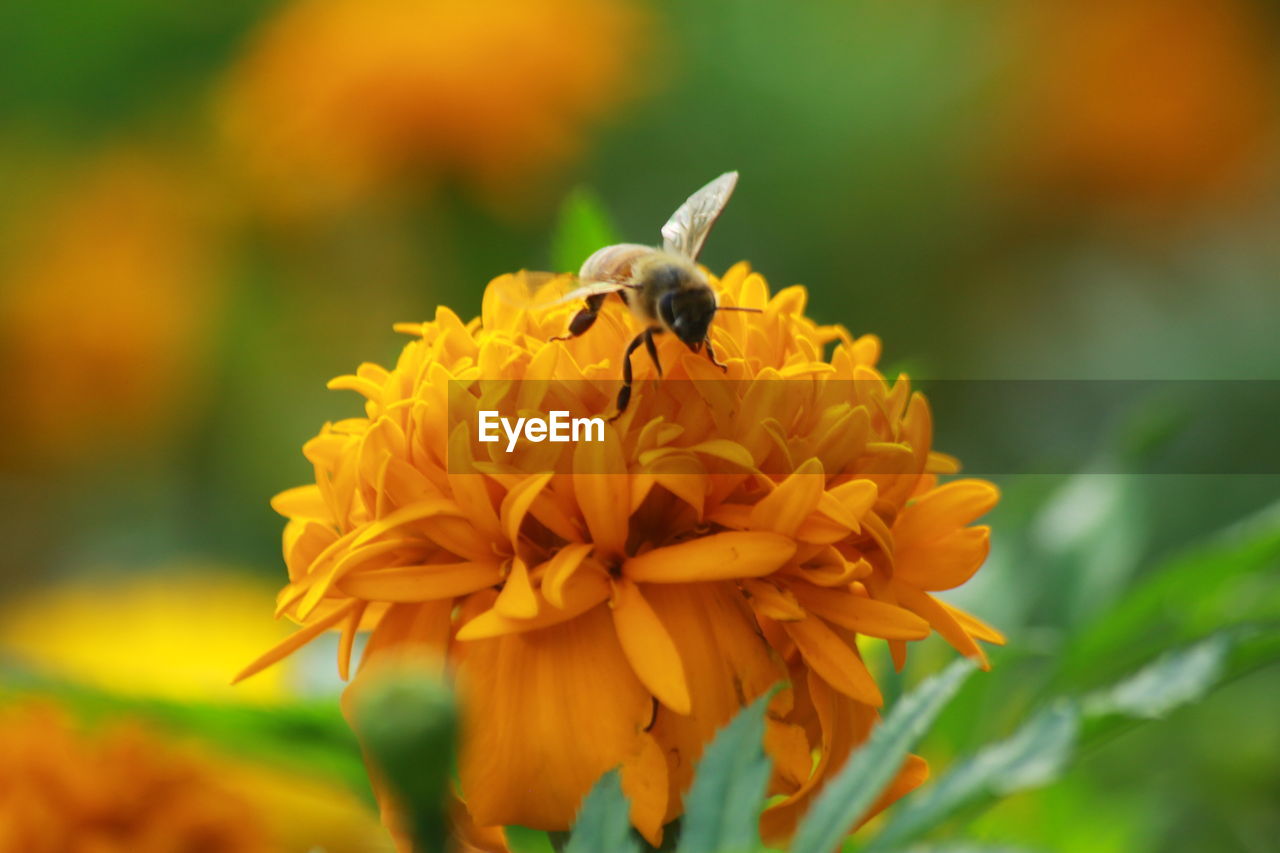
<point>209,210</point>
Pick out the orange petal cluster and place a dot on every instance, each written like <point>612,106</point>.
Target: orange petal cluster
<point>120,788</point>
<point>607,604</point>
<point>335,101</point>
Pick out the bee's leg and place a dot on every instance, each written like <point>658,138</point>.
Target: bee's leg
<point>711,354</point>
<point>653,350</point>
<point>624,393</point>
<point>583,320</point>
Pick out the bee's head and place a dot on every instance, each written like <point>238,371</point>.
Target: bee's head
<point>687,312</point>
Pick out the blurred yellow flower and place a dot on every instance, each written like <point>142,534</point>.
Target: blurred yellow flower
<point>128,787</point>
<point>1143,101</point>
<point>106,303</point>
<point>337,100</point>
<point>619,610</point>
<point>147,635</point>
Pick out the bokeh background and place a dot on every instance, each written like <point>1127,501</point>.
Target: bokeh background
<point>211,209</point>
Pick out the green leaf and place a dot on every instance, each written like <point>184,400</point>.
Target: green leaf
<point>408,725</point>
<point>1041,751</point>
<point>582,227</point>
<point>1035,755</point>
<point>847,797</point>
<point>604,823</point>
<point>722,809</point>
<point>1177,678</point>
<point>1232,580</point>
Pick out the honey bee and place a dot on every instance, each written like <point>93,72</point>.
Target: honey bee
<point>664,288</point>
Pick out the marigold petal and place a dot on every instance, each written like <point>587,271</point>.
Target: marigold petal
<point>649,647</point>
<point>406,515</point>
<point>833,659</point>
<point>410,633</point>
<point>733,554</point>
<point>517,504</point>
<point>857,496</point>
<point>302,502</point>
<point>974,626</point>
<point>727,662</point>
<point>295,641</point>
<point>843,723</point>
<point>421,583</point>
<point>560,568</point>
<point>864,615</point>
<point>789,504</point>
<point>788,746</point>
<point>644,781</point>
<point>517,600</point>
<point>943,622</point>
<point>347,640</point>
<point>946,562</point>
<point>944,509</point>
<point>729,451</point>
<point>583,592</point>
<point>549,712</point>
<point>604,495</point>
<point>776,603</point>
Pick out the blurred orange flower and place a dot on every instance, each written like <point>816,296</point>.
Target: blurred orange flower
<point>123,785</point>
<point>107,303</point>
<point>1143,101</point>
<point>117,789</point>
<point>336,100</point>
<point>620,607</point>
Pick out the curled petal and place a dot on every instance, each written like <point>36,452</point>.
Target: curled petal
<point>648,647</point>
<point>720,556</point>
<point>944,510</point>
<point>833,659</point>
<point>560,568</point>
<point>789,504</point>
<point>421,583</point>
<point>517,599</point>
<point>585,591</point>
<point>861,614</point>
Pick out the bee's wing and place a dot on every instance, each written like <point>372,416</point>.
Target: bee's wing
<point>535,291</point>
<point>591,288</point>
<point>688,227</point>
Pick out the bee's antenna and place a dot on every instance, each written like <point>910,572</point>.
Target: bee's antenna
<point>739,308</point>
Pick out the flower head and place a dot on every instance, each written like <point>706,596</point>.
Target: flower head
<point>615,602</point>
<point>118,788</point>
<point>126,785</point>
<point>1147,102</point>
<point>106,309</point>
<point>337,100</point>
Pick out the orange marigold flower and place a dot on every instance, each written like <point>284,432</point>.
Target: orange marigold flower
<point>337,100</point>
<point>621,605</point>
<point>120,788</point>
<point>123,784</point>
<point>106,309</point>
<point>1143,101</point>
